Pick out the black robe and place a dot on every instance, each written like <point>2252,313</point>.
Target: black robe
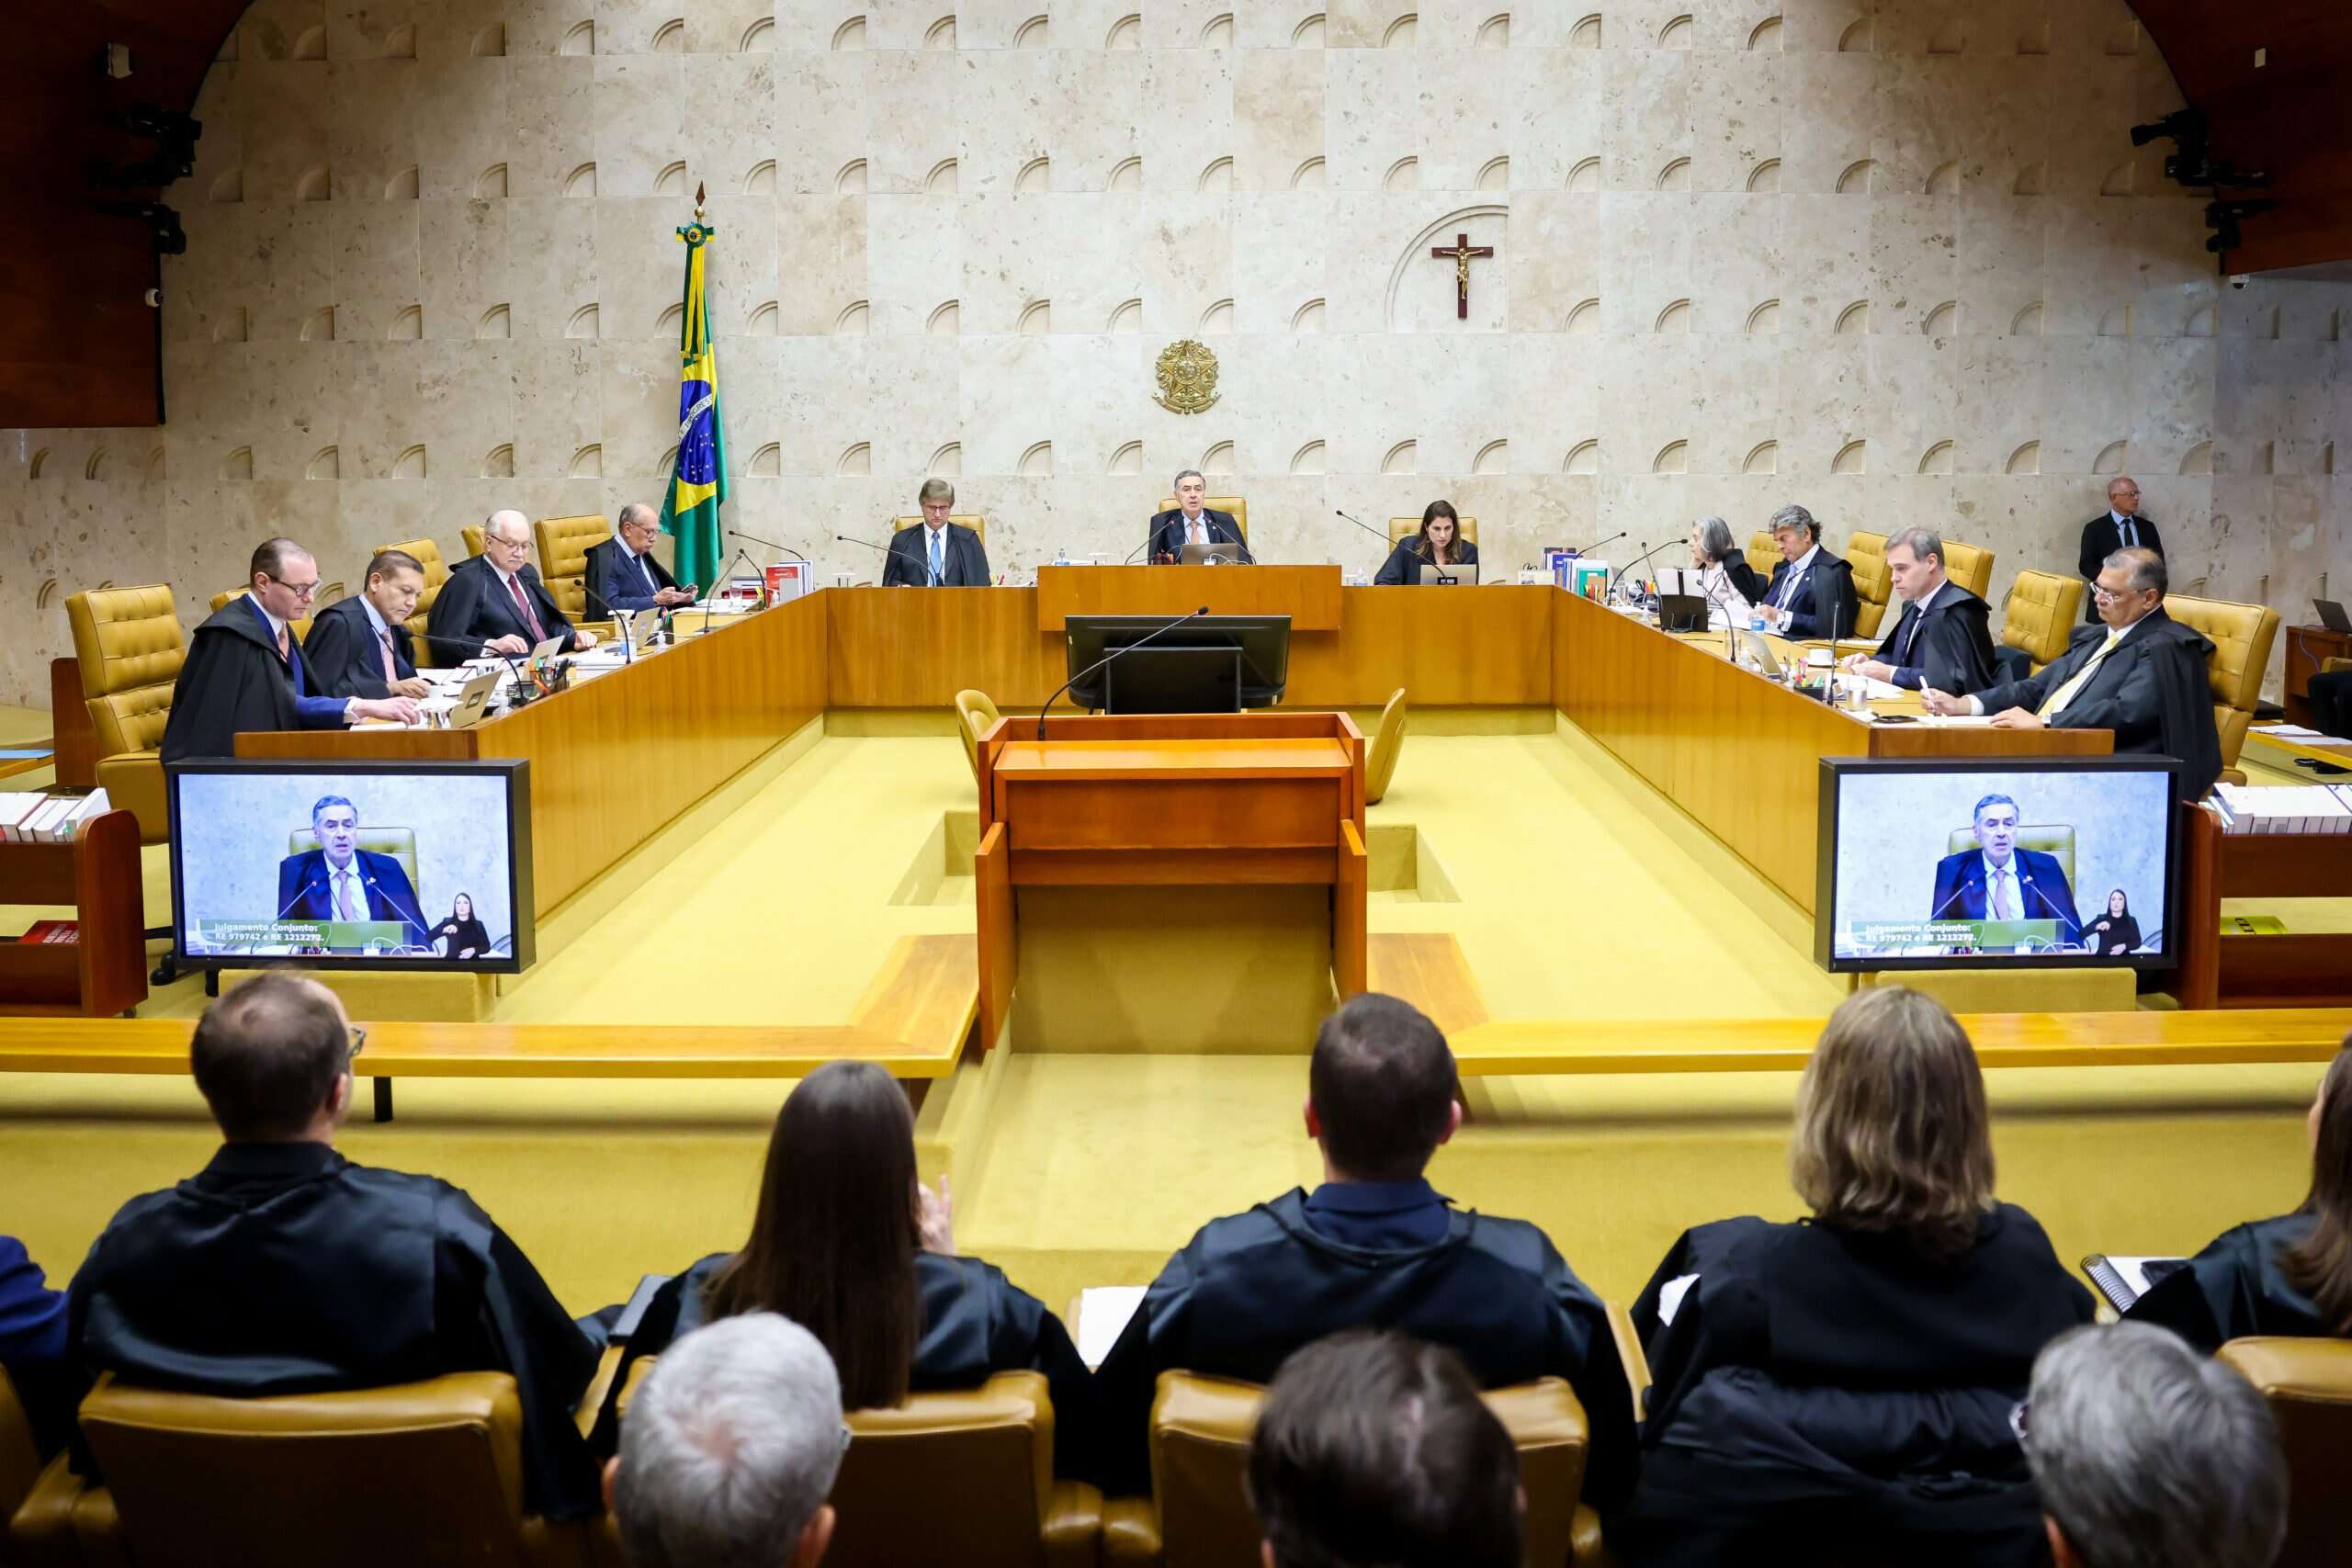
<point>347,659</point>
<point>974,1322</point>
<point>1403,566</point>
<point>1250,1288</point>
<point>2153,691</point>
<point>1952,649</point>
<point>1745,579</point>
<point>233,681</point>
<point>285,1268</point>
<point>1816,1383</point>
<point>2234,1287</point>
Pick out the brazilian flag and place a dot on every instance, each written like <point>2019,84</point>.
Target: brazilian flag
<point>698,483</point>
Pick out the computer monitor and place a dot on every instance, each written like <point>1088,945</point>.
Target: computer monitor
<point>2019,863</point>
<point>1262,642</point>
<point>351,864</point>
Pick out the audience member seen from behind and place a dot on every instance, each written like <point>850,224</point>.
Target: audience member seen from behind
<point>32,1346</point>
<point>2291,1275</point>
<point>1438,542</point>
<point>1375,1449</point>
<point>849,1244</point>
<point>1850,1376</point>
<point>1374,1245</point>
<point>2151,1455</point>
<point>729,1451</point>
<point>282,1267</point>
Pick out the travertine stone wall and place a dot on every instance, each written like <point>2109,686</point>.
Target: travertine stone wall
<point>1895,260</point>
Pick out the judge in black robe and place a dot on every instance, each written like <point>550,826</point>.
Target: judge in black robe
<point>283,1268</point>
<point>345,650</point>
<point>236,679</point>
<point>1944,641</point>
<point>974,1322</point>
<point>476,607</point>
<point>1403,566</point>
<point>1818,1384</point>
<point>1250,1288</point>
<point>2235,1288</point>
<point>1815,595</point>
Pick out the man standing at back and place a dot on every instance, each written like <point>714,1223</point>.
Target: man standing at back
<point>282,1267</point>
<point>2119,527</point>
<point>1376,1246</point>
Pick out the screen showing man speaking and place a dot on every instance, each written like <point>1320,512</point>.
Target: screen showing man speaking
<point>1937,862</point>
<point>371,866</point>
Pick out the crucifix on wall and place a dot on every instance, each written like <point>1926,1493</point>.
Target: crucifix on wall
<point>1459,254</point>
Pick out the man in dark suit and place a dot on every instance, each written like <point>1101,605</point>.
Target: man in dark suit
<point>622,573</point>
<point>340,881</point>
<point>2119,527</point>
<point>495,601</point>
<point>1190,522</point>
<point>935,553</point>
<point>2140,673</point>
<point>1943,639</point>
<point>360,647</point>
<point>1998,881</point>
<point>1812,591</point>
<point>245,671</point>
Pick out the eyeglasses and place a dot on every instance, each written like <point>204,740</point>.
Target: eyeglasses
<point>845,1436</point>
<point>2108,596</point>
<point>358,1041</point>
<point>2019,1423</point>
<point>300,590</point>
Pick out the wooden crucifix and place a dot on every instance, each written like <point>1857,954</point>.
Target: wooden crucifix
<point>1459,254</point>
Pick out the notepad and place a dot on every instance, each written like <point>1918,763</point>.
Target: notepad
<point>1103,1315</point>
<point>2123,1281</point>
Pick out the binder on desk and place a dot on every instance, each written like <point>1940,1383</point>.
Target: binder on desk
<point>2122,1281</point>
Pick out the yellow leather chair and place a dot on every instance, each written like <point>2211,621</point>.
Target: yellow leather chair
<point>1199,1514</point>
<point>1388,745</point>
<point>398,842</point>
<point>2241,635</point>
<point>972,520</point>
<point>1761,551</point>
<point>2055,840</point>
<point>976,715</point>
<point>1971,566</point>
<point>1238,505</point>
<point>476,537</point>
<point>1403,529</point>
<point>428,556</point>
<point>2041,613</point>
<point>563,559</point>
<point>129,646</point>
<point>1872,583</point>
<point>418,1473</point>
<point>962,1477</point>
<point>2307,1383</point>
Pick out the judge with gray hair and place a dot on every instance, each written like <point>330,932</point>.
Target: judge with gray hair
<point>729,1450</point>
<point>1812,591</point>
<point>495,602</point>
<point>1191,522</point>
<point>2150,1454</point>
<point>1724,576</point>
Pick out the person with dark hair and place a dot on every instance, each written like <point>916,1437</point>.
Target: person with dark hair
<point>1850,1377</point>
<point>2115,930</point>
<point>360,647</point>
<point>2289,1276</point>
<point>1812,591</point>
<point>245,670</point>
<point>1438,542</point>
<point>282,1267</point>
<point>848,1243</point>
<point>340,882</point>
<point>462,935</point>
<point>1375,1448</point>
<point>1374,1245</point>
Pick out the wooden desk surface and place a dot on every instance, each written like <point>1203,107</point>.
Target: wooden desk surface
<point>1309,595</point>
<point>1171,759</point>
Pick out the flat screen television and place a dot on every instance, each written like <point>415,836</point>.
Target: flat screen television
<point>351,864</point>
<point>2021,862</point>
<point>1262,643</point>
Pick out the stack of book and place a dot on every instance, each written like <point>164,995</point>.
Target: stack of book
<point>2284,809</point>
<point>53,931</point>
<point>49,817</point>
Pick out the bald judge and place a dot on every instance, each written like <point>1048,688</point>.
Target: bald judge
<point>495,602</point>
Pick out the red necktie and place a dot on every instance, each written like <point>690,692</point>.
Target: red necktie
<point>392,665</point>
<point>281,646</point>
<point>523,603</point>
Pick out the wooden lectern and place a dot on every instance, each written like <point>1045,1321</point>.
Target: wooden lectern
<point>1181,883</point>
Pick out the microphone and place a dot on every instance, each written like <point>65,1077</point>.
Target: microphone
<point>1588,550</point>
<point>374,886</point>
<point>299,894</point>
<point>845,539</point>
<point>1136,551</point>
<point>1117,652</point>
<point>525,684</point>
<point>1628,578</point>
<point>1938,913</point>
<point>1365,527</point>
<point>709,620</point>
<point>771,544</point>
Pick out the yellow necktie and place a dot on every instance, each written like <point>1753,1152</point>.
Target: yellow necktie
<point>2057,700</point>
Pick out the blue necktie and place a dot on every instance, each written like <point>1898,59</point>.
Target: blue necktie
<point>936,576</point>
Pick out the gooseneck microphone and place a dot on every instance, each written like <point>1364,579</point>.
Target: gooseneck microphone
<point>771,544</point>
<point>1115,653</point>
<point>1628,580</point>
<point>374,886</point>
<point>1362,524</point>
<point>869,544</point>
<point>1588,550</point>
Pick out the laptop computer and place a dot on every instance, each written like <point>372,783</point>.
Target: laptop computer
<point>549,648</point>
<point>2332,615</point>
<point>1761,652</point>
<point>1436,576</point>
<point>470,703</point>
<point>1222,553</point>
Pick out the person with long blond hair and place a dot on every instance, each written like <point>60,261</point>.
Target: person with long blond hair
<point>2291,1275</point>
<point>1850,1377</point>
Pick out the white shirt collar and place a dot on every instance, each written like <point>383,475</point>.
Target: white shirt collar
<point>1805,560</point>
<point>1922,604</point>
<point>504,576</point>
<point>633,555</point>
<point>2119,519</point>
<point>374,616</point>
<point>277,628</point>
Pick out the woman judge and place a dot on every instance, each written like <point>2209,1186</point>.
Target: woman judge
<point>1851,1377</point>
<point>461,935</point>
<point>2115,932</point>
<point>849,1244</point>
<point>1724,576</point>
<point>2291,1275</point>
<point>1438,542</point>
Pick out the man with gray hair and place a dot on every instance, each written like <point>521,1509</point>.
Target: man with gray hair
<point>623,574</point>
<point>495,602</point>
<point>2119,527</point>
<point>1812,591</point>
<point>2150,1454</point>
<point>936,553</point>
<point>1944,638</point>
<point>1189,522</point>
<point>2140,673</point>
<point>729,1450</point>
